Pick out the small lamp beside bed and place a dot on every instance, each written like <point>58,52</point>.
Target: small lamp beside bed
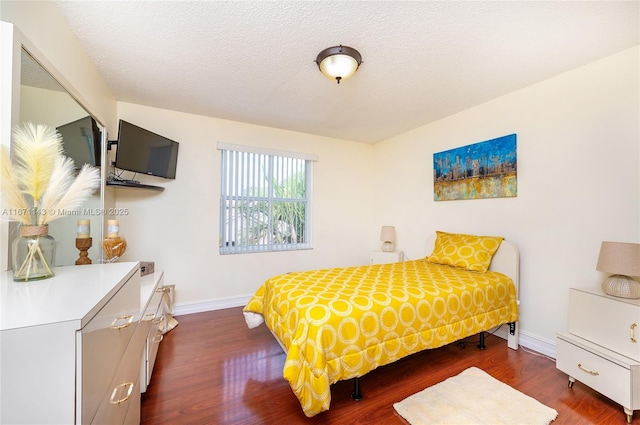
<point>388,238</point>
<point>622,260</point>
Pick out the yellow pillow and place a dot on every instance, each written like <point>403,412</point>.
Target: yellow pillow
<point>464,251</point>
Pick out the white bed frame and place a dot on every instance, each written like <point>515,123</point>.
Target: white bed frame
<point>506,260</point>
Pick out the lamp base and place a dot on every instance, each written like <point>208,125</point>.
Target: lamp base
<point>621,286</point>
<point>388,246</point>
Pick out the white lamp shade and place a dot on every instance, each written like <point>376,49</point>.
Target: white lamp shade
<point>388,238</point>
<point>388,234</point>
<point>619,258</point>
<point>623,260</point>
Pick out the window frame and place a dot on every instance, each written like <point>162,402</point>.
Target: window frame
<point>229,192</point>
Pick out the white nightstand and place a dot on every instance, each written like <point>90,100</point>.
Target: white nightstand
<point>382,257</point>
<point>601,347</point>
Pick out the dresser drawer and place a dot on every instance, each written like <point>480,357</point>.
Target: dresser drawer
<point>604,371</point>
<point>104,340</point>
<point>618,329</point>
<point>149,322</point>
<point>154,291</point>
<point>133,414</point>
<point>125,413</point>
<point>123,392</point>
<point>153,343</point>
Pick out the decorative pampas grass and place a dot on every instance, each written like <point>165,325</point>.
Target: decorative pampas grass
<point>40,185</point>
<point>36,149</point>
<point>64,193</point>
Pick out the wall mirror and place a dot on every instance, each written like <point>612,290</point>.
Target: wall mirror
<point>43,100</point>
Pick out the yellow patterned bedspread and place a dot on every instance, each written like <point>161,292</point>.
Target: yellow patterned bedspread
<point>341,323</point>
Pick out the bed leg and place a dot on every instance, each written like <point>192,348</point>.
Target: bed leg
<point>481,343</point>
<point>357,394</point>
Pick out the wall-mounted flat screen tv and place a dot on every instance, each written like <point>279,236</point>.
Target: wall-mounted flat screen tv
<point>145,152</point>
<point>81,141</point>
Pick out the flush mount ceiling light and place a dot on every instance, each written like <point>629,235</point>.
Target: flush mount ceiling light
<point>338,62</point>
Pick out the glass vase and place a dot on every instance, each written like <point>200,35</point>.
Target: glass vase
<point>113,248</point>
<point>33,254</point>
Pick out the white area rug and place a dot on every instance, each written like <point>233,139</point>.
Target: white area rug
<point>473,397</point>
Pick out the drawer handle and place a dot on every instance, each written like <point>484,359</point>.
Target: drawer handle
<point>122,322</point>
<point>633,332</point>
<point>163,290</point>
<point>590,372</point>
<point>158,338</point>
<point>119,389</point>
<point>149,317</point>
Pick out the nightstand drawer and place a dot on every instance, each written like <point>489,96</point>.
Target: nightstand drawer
<point>606,372</point>
<point>608,321</point>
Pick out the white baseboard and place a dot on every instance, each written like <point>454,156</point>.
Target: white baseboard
<point>210,305</point>
<point>532,342</point>
<point>525,339</point>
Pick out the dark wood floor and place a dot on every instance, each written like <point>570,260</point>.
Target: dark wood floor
<point>212,369</point>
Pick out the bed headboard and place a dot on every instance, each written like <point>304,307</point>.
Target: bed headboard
<point>506,260</point>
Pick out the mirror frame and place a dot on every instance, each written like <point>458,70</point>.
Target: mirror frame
<point>12,43</point>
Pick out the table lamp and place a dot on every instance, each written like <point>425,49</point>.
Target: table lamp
<point>388,238</point>
<point>622,260</point>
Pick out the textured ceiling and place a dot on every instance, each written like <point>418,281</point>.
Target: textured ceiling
<point>33,74</point>
<point>253,61</point>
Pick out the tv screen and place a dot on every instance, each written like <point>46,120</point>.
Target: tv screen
<point>143,151</point>
<point>81,141</point>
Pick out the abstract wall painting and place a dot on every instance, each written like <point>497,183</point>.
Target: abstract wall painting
<point>482,170</point>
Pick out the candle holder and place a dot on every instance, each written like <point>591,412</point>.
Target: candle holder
<point>83,244</point>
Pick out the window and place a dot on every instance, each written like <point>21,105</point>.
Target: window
<point>265,199</point>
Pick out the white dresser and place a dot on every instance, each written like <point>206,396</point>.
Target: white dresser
<point>601,348</point>
<point>72,346</point>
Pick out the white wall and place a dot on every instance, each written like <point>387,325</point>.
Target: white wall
<point>48,107</point>
<point>578,181</point>
<point>178,228</point>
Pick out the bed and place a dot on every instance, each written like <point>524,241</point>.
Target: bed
<point>341,323</point>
